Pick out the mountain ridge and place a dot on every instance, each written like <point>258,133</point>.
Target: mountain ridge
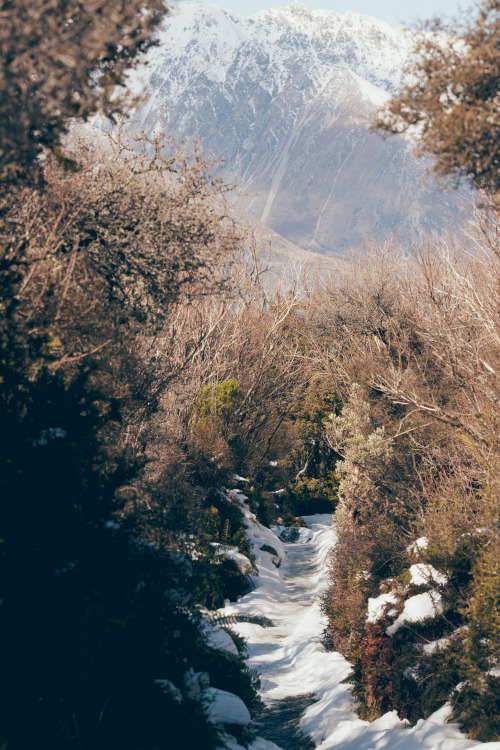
<point>286,97</point>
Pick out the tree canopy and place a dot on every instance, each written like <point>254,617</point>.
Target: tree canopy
<point>452,98</point>
<point>62,59</point>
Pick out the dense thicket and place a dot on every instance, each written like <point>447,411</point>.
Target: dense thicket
<point>412,344</point>
<point>418,435</point>
<point>142,363</point>
<point>92,266</point>
<point>102,639</point>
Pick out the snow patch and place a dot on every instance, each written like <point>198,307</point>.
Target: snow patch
<point>44,437</point>
<point>433,646</point>
<point>232,553</point>
<point>422,574</point>
<point>418,608</point>
<point>220,639</point>
<point>377,606</point>
<point>417,546</point>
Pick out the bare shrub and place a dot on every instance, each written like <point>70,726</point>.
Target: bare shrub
<point>103,254</point>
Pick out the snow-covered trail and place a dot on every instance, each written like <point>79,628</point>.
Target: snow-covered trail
<point>294,665</point>
<point>289,656</point>
<point>294,610</point>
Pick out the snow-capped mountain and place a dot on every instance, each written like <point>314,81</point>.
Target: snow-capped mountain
<point>286,97</point>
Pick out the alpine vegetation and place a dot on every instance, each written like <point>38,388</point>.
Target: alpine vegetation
<point>235,512</point>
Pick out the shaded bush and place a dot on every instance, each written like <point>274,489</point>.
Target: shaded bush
<point>311,495</point>
<point>96,632</point>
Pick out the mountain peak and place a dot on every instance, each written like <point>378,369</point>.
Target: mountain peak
<point>299,8</point>
<point>285,96</point>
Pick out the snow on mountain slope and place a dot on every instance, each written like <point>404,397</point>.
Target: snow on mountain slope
<point>210,39</point>
<point>285,96</point>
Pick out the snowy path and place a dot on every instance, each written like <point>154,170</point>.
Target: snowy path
<point>295,613</point>
<point>293,664</point>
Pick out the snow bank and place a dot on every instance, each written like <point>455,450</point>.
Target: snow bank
<point>268,582</point>
<point>389,733</point>
<point>225,708</point>
<point>258,744</point>
<point>220,639</point>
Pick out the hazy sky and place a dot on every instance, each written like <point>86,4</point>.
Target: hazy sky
<point>397,12</point>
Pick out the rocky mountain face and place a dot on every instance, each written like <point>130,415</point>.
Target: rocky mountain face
<point>286,97</point>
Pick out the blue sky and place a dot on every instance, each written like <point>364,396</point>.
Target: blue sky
<point>397,12</point>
